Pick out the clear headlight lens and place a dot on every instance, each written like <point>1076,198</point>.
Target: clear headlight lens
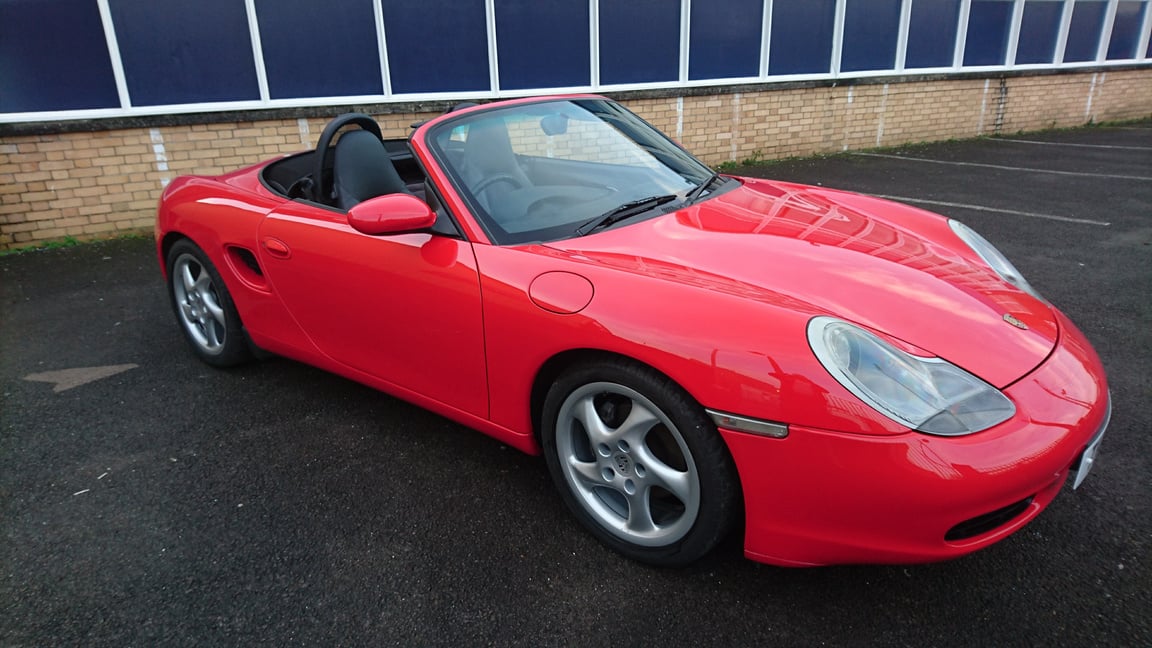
<point>925,394</point>
<point>992,257</point>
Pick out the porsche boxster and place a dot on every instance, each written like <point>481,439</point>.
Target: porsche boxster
<point>846,379</point>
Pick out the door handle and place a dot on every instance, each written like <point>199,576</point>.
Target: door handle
<point>277,248</point>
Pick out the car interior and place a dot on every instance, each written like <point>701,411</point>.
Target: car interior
<point>352,166</point>
<point>523,196</point>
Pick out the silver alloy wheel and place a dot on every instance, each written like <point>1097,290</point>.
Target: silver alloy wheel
<point>627,464</point>
<point>198,304</point>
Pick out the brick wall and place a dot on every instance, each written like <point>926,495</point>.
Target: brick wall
<point>786,123</point>
<point>98,184</point>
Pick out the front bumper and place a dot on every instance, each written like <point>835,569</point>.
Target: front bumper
<point>820,497</point>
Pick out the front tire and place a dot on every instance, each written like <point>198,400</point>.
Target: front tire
<point>638,462</point>
<point>203,307</point>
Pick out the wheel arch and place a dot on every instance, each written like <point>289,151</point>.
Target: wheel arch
<point>729,490</point>
<point>236,347</point>
<point>556,365</point>
<point>166,243</point>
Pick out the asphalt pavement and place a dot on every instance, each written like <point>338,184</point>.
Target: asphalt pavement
<point>158,501</point>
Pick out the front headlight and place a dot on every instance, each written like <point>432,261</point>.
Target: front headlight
<point>925,394</point>
<point>992,257</point>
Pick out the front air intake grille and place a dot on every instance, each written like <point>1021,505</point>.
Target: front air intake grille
<point>987,522</point>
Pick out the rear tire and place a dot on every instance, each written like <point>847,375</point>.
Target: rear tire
<point>203,307</point>
<point>638,462</point>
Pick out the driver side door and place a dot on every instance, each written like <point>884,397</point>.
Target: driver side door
<point>402,308</point>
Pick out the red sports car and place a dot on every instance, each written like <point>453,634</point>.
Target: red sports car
<point>858,380</point>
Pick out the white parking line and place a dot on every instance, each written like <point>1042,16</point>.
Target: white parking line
<point>941,203</point>
<point>1006,168</point>
<point>1099,146</point>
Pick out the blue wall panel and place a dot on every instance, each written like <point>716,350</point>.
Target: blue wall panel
<point>185,52</point>
<point>1126,30</point>
<point>629,54</point>
<point>53,56</point>
<point>988,25</point>
<point>543,44</point>
<point>314,49</point>
<point>436,45</point>
<point>725,39</point>
<point>932,33</point>
<point>1039,27</point>
<point>801,37</point>
<point>1084,32</point>
<point>871,28</point>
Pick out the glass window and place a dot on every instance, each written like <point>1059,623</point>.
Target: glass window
<point>801,37</point>
<point>436,45</point>
<point>1039,27</point>
<point>542,44</point>
<point>185,52</point>
<point>1126,30</point>
<point>725,39</point>
<point>580,141</point>
<point>1084,32</point>
<point>932,33</point>
<point>53,56</point>
<point>988,25</point>
<point>631,55</point>
<point>871,28</point>
<point>537,171</point>
<point>339,58</point>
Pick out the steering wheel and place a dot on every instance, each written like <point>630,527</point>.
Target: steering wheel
<point>321,189</point>
<point>539,206</point>
<point>563,201</point>
<point>493,179</point>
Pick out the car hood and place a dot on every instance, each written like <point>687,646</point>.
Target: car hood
<point>889,267</point>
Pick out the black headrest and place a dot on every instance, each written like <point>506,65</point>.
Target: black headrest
<point>362,169</point>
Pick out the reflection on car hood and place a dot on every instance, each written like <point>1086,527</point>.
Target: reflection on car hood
<point>880,264</point>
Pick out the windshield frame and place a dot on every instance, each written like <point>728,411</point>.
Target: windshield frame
<point>667,159</point>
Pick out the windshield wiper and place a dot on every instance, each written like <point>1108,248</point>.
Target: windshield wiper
<point>691,196</point>
<point>626,210</point>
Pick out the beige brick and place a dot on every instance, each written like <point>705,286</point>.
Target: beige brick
<point>112,179</point>
<point>66,202</point>
<point>33,196</point>
<point>72,223</point>
<point>20,227</point>
<point>51,165</point>
<point>98,228</point>
<point>35,213</point>
<point>92,210</point>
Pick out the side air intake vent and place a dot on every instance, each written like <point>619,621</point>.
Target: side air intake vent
<point>246,266</point>
<point>248,259</point>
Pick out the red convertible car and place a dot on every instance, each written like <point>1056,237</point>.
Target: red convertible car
<point>847,379</point>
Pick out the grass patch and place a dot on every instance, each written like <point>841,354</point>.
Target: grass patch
<point>71,241</point>
<point>1116,123</point>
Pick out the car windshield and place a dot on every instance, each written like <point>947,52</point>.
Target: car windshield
<point>542,171</point>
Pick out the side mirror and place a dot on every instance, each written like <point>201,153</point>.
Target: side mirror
<point>391,214</point>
